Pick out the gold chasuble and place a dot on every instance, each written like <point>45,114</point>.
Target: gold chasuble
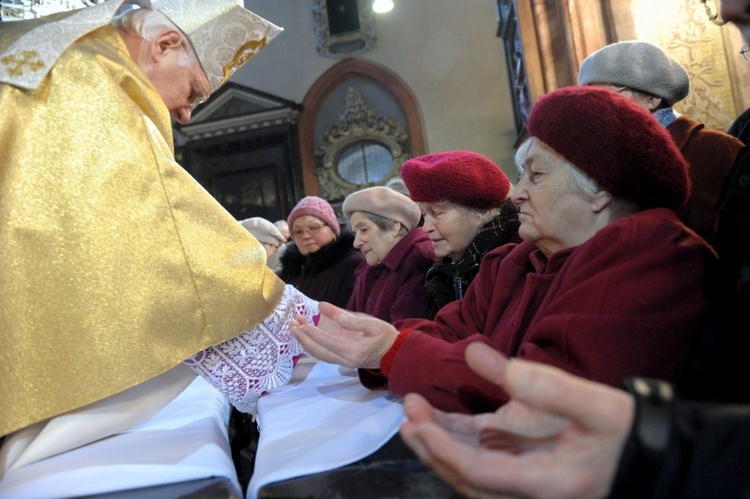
<point>116,264</point>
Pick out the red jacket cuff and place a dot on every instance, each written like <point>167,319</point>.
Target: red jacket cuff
<point>385,363</point>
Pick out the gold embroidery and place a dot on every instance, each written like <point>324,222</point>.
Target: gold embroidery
<point>244,54</point>
<point>17,65</point>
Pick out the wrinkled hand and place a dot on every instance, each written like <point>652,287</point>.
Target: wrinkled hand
<point>345,338</point>
<point>559,436</point>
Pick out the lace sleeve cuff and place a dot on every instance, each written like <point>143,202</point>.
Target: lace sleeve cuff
<point>261,358</point>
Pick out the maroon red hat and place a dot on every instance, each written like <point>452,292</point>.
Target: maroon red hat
<point>462,177</point>
<point>615,142</point>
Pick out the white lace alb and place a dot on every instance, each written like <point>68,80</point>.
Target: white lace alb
<point>259,359</point>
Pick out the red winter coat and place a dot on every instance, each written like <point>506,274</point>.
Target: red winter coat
<point>711,155</point>
<point>394,289</point>
<point>627,302</point>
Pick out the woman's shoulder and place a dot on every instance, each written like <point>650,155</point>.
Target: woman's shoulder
<point>417,241</point>
<point>413,250</point>
<point>642,223</point>
<point>515,251</point>
<point>655,229</point>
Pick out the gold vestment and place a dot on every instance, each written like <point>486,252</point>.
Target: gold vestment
<point>116,264</point>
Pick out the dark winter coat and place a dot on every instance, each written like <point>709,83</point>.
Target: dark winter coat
<point>327,274</point>
<point>711,155</point>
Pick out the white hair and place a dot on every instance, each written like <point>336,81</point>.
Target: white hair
<point>149,24</point>
<point>484,215</point>
<point>575,176</point>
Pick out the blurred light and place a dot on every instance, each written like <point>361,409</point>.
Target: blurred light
<point>382,6</point>
<point>16,10</point>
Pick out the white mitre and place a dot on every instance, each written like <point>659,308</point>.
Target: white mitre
<point>223,34</point>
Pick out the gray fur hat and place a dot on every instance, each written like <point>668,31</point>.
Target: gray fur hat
<point>638,65</point>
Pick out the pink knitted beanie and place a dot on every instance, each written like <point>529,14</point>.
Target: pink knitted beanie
<point>316,207</point>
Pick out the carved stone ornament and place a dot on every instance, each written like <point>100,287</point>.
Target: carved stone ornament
<point>339,43</point>
<point>698,44</point>
<point>358,124</point>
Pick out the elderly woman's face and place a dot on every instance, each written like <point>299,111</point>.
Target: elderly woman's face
<point>311,233</point>
<point>451,228</point>
<point>648,102</point>
<point>554,212</point>
<point>373,242</point>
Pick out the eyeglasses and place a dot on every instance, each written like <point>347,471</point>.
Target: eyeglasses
<point>312,229</point>
<point>745,52</point>
<point>199,94</point>
<point>200,88</point>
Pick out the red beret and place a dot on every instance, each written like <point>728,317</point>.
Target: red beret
<point>462,177</point>
<point>615,142</point>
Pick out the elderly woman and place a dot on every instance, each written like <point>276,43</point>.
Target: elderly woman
<point>321,261</point>
<point>607,282</point>
<point>268,236</point>
<point>646,74</point>
<point>467,213</point>
<point>390,283</point>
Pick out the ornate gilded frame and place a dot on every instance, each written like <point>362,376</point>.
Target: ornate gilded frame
<point>357,124</point>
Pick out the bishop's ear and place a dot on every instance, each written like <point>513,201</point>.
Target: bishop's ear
<point>170,39</point>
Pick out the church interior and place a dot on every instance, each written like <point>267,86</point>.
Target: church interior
<point>348,92</point>
<point>345,94</point>
<point>442,74</point>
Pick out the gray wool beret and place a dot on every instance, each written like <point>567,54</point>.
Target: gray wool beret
<point>638,65</point>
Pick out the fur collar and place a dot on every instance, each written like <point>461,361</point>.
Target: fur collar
<point>293,262</point>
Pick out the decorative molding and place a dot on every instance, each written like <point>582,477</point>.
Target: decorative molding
<point>235,109</point>
<point>358,123</point>
<point>556,36</point>
<point>241,124</point>
<point>338,75</point>
<point>346,44</point>
<point>697,43</point>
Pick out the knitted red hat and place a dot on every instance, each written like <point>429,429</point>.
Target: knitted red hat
<point>615,142</point>
<point>462,177</point>
<point>316,207</point>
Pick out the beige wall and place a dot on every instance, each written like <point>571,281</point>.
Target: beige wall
<point>445,50</point>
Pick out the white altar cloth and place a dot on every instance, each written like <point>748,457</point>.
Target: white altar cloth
<point>322,420</point>
<point>186,440</point>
